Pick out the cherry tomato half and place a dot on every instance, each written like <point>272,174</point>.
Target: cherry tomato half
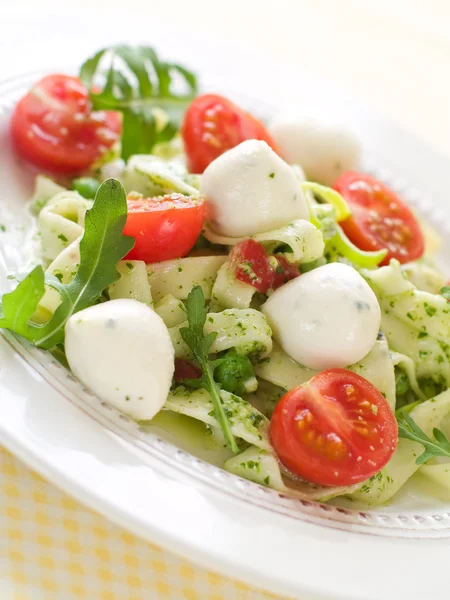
<point>53,127</point>
<point>337,429</point>
<point>212,124</point>
<point>164,228</point>
<point>254,266</point>
<point>379,218</point>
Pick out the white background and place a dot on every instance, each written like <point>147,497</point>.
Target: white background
<point>395,54</point>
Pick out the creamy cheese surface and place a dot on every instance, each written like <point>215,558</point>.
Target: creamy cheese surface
<point>122,351</point>
<point>250,189</point>
<point>323,151</point>
<point>326,318</point>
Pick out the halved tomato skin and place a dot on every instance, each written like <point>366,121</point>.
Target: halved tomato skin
<point>164,228</point>
<point>213,124</point>
<point>335,430</point>
<point>379,218</point>
<point>53,126</point>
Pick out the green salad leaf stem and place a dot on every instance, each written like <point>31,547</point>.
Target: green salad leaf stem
<point>200,344</point>
<point>361,258</point>
<point>339,242</point>
<point>330,196</point>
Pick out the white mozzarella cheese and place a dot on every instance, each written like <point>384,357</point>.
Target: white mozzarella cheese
<point>326,318</point>
<point>122,351</point>
<point>323,151</point>
<point>250,189</point>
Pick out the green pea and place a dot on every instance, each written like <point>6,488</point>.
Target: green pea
<point>233,373</point>
<point>86,187</point>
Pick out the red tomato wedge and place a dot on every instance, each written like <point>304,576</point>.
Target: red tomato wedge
<point>213,124</point>
<point>164,228</point>
<point>186,370</point>
<point>283,272</point>
<point>335,430</point>
<point>254,266</point>
<point>379,218</point>
<point>53,127</point>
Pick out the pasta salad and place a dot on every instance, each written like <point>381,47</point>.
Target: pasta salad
<point>244,280</point>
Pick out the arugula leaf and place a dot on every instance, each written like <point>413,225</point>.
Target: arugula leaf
<point>19,306</point>
<point>199,344</point>
<point>133,80</point>
<point>101,248</point>
<point>408,429</point>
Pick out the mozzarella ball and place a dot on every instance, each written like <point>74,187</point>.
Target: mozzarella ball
<point>250,189</point>
<point>324,152</point>
<point>326,318</point>
<point>121,350</point>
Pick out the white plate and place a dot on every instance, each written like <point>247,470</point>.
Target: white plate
<point>162,493</point>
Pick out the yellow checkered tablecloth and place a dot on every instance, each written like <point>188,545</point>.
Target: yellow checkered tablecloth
<point>53,548</point>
